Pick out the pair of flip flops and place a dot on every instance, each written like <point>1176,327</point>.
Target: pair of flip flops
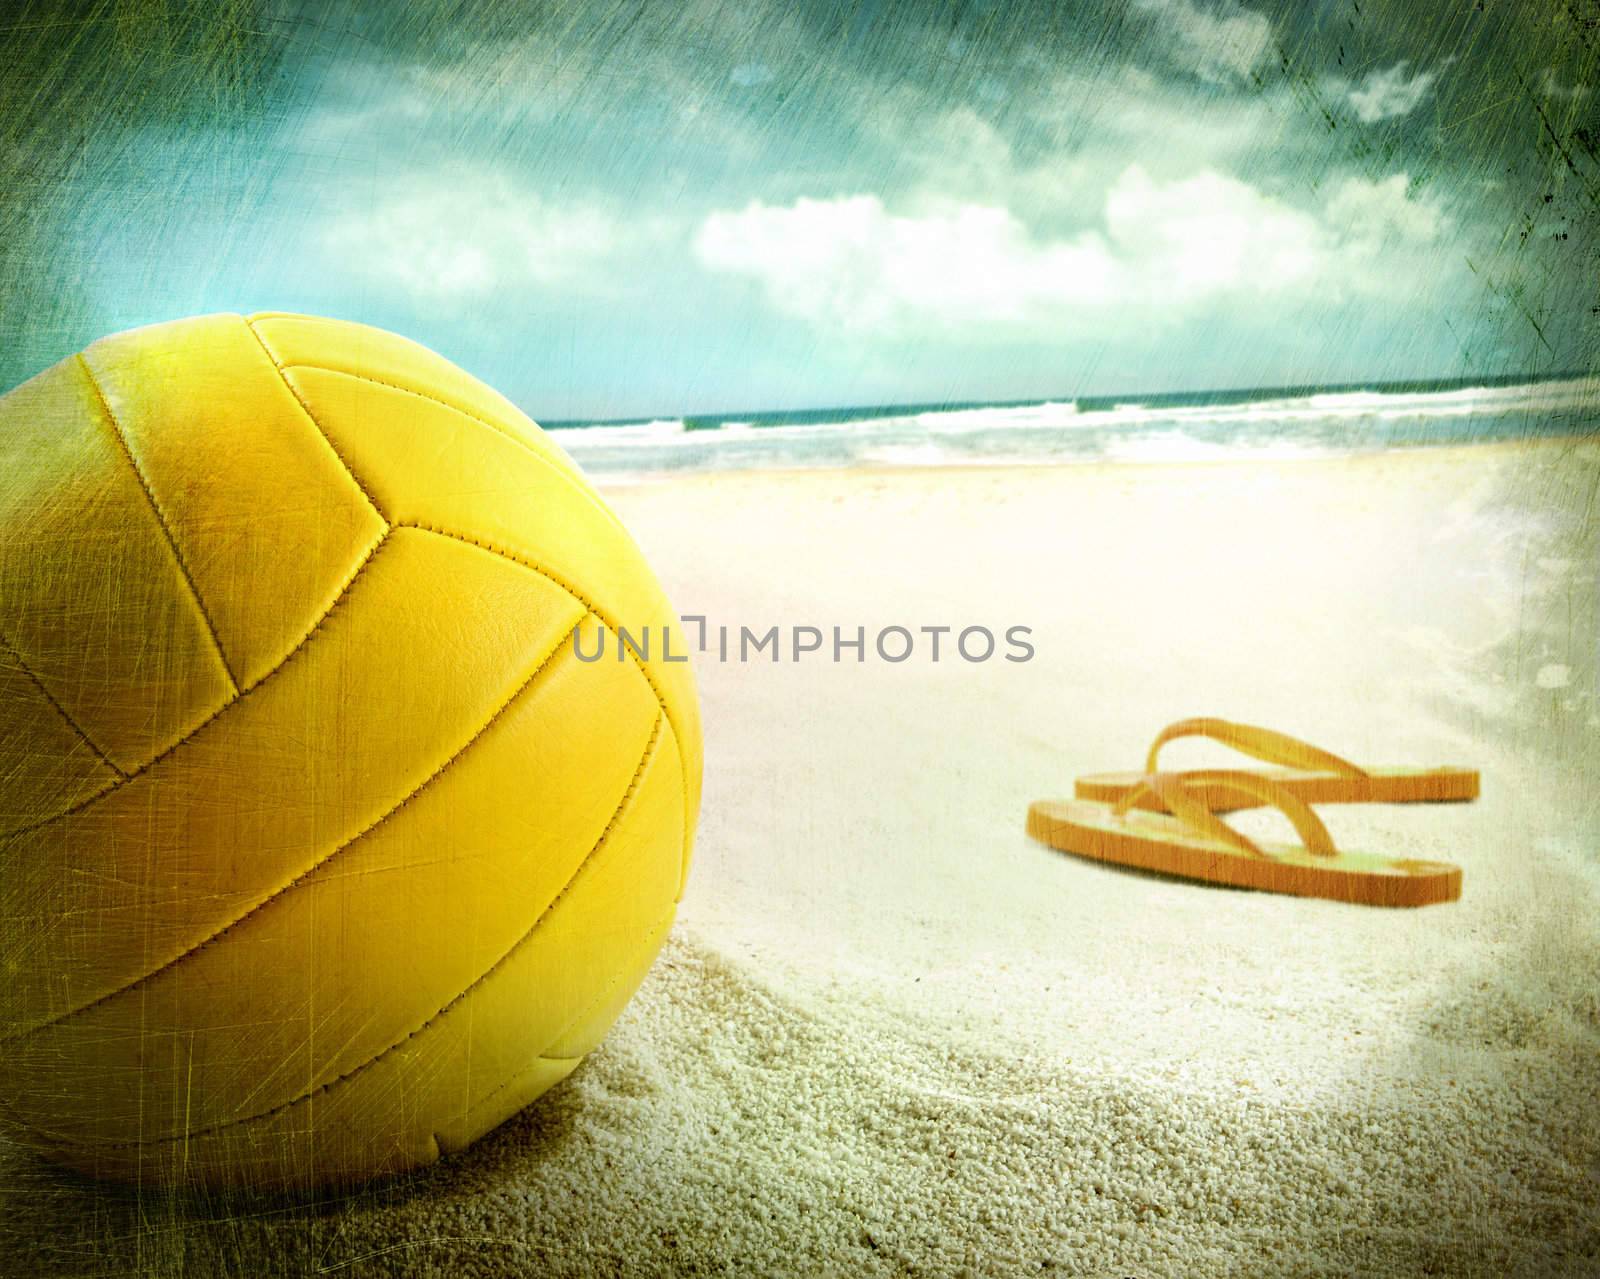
<point>1167,821</point>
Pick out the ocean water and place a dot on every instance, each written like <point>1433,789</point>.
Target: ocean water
<point>1277,422</point>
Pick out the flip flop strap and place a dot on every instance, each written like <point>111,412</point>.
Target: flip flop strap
<point>1260,743</point>
<point>1176,791</point>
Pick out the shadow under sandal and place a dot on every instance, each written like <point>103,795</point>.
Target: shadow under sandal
<point>1313,775</point>
<point>1191,841</point>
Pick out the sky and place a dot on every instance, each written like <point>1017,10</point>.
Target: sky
<point>617,209</point>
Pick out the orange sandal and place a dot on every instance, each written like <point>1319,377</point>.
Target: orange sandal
<point>1191,841</point>
<point>1313,775</point>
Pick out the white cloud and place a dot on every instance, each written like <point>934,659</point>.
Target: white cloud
<point>851,261</point>
<point>1216,46</point>
<point>1093,125</point>
<point>1209,234</point>
<point>1160,252</point>
<point>1390,93</point>
<point>456,235</point>
<point>1383,211</point>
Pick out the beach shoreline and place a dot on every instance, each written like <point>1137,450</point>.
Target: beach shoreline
<point>1532,446</point>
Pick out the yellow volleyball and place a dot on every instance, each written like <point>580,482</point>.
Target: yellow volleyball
<point>322,851</point>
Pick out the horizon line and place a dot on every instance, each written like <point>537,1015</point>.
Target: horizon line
<point>891,409</point>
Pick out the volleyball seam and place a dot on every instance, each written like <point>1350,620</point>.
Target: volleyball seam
<point>611,825</point>
<point>607,621</point>
<point>22,665</point>
<point>575,481</point>
<point>320,862</point>
<point>653,937</point>
<point>514,437</point>
<point>312,418</point>
<point>161,518</point>
<point>245,692</point>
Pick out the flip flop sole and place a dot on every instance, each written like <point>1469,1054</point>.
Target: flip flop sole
<point>1445,785</point>
<point>1156,842</point>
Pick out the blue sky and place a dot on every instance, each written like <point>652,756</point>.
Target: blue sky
<point>622,210</point>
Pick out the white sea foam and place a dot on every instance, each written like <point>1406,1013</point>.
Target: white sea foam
<point>613,432</point>
<point>1050,413</point>
<point>1062,431</point>
<point>1178,446</point>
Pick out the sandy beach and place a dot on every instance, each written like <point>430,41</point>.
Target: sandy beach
<point>892,1036</point>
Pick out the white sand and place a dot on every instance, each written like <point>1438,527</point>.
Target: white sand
<point>893,1036</point>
